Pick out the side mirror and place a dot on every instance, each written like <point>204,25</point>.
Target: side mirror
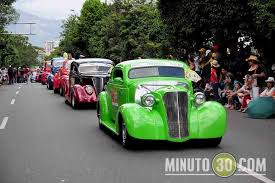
<point>118,79</point>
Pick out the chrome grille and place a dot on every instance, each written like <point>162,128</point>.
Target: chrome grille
<point>176,104</point>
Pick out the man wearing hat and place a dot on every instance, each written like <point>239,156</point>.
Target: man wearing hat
<point>214,78</point>
<point>270,90</point>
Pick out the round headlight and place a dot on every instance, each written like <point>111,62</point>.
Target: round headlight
<point>148,100</point>
<point>89,89</point>
<point>199,98</point>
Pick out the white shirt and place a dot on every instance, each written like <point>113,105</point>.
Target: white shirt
<point>267,92</point>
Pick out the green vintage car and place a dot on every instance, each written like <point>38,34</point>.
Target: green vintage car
<point>151,99</point>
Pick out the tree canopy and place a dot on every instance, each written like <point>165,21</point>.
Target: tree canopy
<point>14,49</point>
<point>120,31</point>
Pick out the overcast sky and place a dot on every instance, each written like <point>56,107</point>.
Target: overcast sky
<point>51,9</point>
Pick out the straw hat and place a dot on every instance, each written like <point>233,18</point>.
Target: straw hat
<point>252,58</point>
<point>270,80</point>
<point>215,63</point>
<point>202,50</point>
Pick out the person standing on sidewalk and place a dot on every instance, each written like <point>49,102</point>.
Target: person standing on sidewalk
<point>214,78</point>
<point>10,73</point>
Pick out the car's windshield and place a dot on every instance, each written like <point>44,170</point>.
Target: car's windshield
<point>58,63</point>
<point>161,71</point>
<point>94,68</point>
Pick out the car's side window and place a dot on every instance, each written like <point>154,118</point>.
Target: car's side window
<point>118,74</point>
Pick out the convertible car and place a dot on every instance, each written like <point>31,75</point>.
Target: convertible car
<point>56,63</point>
<point>86,80</point>
<point>154,100</point>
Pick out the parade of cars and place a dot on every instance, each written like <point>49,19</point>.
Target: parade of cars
<point>139,100</point>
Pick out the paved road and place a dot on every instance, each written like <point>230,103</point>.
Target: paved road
<point>45,141</point>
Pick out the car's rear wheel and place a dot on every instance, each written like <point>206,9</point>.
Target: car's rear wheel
<point>49,86</point>
<point>55,90</point>
<point>61,92</point>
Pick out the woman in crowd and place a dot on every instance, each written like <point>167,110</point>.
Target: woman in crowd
<point>232,97</point>
<point>270,89</point>
<point>257,73</point>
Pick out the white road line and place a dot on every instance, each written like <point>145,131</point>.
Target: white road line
<point>256,175</point>
<point>19,87</point>
<point>12,101</point>
<point>17,93</point>
<point>4,122</point>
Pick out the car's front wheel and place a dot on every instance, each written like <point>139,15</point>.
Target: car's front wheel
<point>214,142</point>
<point>73,102</point>
<point>100,126</point>
<point>126,140</point>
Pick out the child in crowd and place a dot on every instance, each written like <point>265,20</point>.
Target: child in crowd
<point>244,93</point>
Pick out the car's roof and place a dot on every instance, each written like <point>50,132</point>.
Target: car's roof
<point>85,60</point>
<point>151,62</point>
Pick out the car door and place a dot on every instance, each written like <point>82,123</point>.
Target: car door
<point>117,90</point>
<point>72,80</point>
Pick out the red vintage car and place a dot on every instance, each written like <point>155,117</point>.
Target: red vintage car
<point>60,77</point>
<point>86,80</point>
<point>45,72</point>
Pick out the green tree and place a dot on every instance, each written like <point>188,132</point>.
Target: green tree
<point>70,41</point>
<point>18,52</point>
<point>91,12</point>
<point>192,23</point>
<point>263,30</point>
<point>131,29</point>
<point>7,13</point>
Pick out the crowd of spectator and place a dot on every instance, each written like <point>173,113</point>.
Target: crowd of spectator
<point>234,84</point>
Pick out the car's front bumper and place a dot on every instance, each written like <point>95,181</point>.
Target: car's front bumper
<point>204,122</point>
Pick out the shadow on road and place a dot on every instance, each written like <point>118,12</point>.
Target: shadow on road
<point>151,145</point>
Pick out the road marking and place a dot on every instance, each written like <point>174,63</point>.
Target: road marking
<point>17,92</point>
<point>19,87</point>
<point>193,174</point>
<point>255,174</point>
<point>12,101</point>
<point>4,122</point>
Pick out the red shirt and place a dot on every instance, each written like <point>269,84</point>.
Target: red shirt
<point>213,76</point>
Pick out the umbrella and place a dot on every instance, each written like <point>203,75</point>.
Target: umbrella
<point>261,108</point>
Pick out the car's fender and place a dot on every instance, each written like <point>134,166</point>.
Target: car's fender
<point>211,118</point>
<point>141,122</point>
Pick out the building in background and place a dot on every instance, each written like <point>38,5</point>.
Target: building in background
<point>50,46</point>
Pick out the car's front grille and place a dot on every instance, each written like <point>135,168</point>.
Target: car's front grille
<point>176,104</point>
